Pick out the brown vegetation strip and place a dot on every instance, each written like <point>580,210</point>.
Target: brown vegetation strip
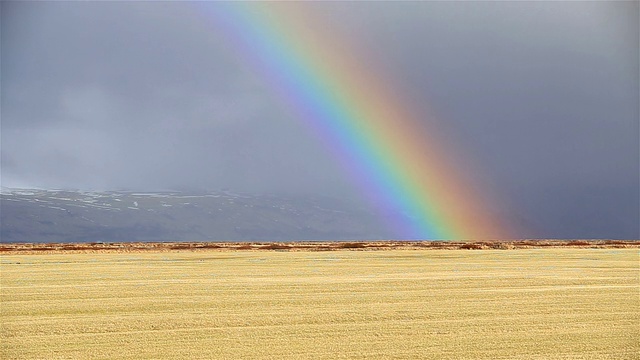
<point>25,248</point>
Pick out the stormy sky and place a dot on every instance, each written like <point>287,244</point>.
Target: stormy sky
<point>542,96</point>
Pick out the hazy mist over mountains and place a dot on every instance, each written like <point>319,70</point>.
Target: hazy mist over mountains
<point>59,216</point>
<point>124,98</point>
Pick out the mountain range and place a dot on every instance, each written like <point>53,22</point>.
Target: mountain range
<point>35,215</point>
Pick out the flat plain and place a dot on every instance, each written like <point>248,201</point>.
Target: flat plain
<point>529,303</point>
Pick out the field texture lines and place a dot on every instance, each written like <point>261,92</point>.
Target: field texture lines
<point>555,303</point>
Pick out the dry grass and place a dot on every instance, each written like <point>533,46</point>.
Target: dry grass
<point>551,303</point>
<point>48,248</point>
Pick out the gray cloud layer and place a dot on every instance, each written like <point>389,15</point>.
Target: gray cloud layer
<point>543,95</point>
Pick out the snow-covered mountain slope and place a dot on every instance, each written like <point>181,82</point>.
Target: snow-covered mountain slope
<point>33,215</point>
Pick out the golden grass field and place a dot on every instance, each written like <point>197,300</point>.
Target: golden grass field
<point>550,303</point>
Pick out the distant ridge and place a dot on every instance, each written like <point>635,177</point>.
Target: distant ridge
<point>37,215</point>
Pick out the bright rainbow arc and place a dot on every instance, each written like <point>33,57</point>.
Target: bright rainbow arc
<point>371,131</point>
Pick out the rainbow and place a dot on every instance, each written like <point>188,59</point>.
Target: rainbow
<point>350,106</point>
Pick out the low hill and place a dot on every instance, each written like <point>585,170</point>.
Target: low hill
<point>75,216</point>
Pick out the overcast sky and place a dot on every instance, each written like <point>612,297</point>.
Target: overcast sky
<point>543,96</point>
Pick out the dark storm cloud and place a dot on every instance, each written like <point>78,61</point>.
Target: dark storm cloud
<point>140,95</point>
<point>543,96</point>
